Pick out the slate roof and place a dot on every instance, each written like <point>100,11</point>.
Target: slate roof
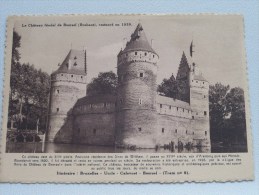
<point>138,41</point>
<point>172,102</point>
<point>74,63</point>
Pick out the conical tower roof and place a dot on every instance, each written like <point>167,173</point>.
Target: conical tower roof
<point>74,63</point>
<point>138,41</point>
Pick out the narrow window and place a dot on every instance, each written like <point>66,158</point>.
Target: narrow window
<point>145,54</point>
<point>91,105</point>
<point>136,53</point>
<point>192,117</point>
<point>176,131</point>
<point>140,101</point>
<point>57,91</point>
<point>163,130</point>
<point>193,133</point>
<point>170,107</point>
<point>78,130</point>
<point>186,132</point>
<point>141,74</point>
<point>177,108</point>
<point>160,105</point>
<point>203,82</point>
<point>153,56</point>
<point>57,109</point>
<point>121,100</point>
<point>183,109</point>
<point>72,75</point>
<point>94,131</point>
<point>104,105</point>
<point>75,58</point>
<point>81,77</point>
<point>205,113</point>
<point>139,129</point>
<point>205,132</point>
<point>196,113</point>
<point>204,96</point>
<point>192,80</point>
<point>75,64</point>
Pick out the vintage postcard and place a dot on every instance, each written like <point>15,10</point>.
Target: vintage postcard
<point>125,98</point>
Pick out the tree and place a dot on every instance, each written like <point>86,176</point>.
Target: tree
<point>227,114</point>
<point>15,46</point>
<point>14,78</point>
<point>237,121</point>
<point>168,87</point>
<point>29,89</point>
<point>105,83</point>
<point>218,112</point>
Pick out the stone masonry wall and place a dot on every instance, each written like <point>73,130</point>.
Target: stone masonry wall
<point>94,124</point>
<point>200,107</point>
<point>136,114</point>
<point>65,91</point>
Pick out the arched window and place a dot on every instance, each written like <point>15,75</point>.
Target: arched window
<point>163,130</point>
<point>94,131</point>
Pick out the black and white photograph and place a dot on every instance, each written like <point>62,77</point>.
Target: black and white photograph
<point>131,84</point>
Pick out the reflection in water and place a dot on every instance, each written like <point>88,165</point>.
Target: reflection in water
<point>34,147</point>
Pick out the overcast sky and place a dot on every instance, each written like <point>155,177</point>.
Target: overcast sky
<point>218,43</point>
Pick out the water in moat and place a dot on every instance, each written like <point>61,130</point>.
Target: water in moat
<point>39,147</point>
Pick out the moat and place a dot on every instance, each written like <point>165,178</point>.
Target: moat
<point>38,147</point>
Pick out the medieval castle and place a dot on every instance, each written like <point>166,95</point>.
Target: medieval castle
<point>137,116</point>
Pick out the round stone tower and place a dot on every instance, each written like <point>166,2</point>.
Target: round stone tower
<point>199,101</point>
<point>68,84</point>
<point>136,117</point>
